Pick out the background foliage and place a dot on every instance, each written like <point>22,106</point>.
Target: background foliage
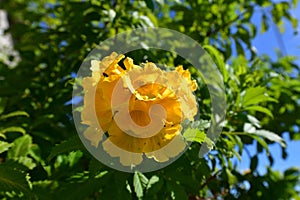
<point>40,154</point>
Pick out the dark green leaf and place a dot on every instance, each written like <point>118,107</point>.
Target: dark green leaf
<point>13,179</point>
<point>74,143</point>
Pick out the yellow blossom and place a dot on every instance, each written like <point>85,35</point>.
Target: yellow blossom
<point>140,108</point>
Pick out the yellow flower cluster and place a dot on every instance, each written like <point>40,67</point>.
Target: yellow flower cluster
<point>139,108</point>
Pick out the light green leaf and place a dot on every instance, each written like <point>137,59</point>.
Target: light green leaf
<point>140,182</point>
<point>12,129</point>
<point>255,95</point>
<point>20,147</point>
<point>219,60</point>
<point>154,179</point>
<point>14,114</point>
<point>26,161</point>
<point>260,109</point>
<point>231,178</point>
<point>194,135</point>
<point>4,146</point>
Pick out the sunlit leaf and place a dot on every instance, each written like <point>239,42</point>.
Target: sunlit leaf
<point>140,182</point>
<point>20,147</point>
<point>270,136</point>
<point>14,114</point>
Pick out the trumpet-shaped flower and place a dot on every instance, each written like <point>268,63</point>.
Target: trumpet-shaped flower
<point>139,109</point>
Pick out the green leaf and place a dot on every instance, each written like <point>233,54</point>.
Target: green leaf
<point>140,182</point>
<point>74,143</point>
<point>3,102</point>
<point>256,95</point>
<point>4,146</point>
<point>254,121</point>
<point>14,114</point>
<point>194,135</point>
<point>264,24</point>
<point>218,58</point>
<point>238,46</point>
<point>26,161</point>
<point>150,4</point>
<point>254,163</point>
<point>12,179</point>
<point>270,136</point>
<point>154,185</point>
<point>154,179</point>
<point>82,188</point>
<point>232,179</point>
<point>262,142</point>
<point>177,191</point>
<point>260,109</point>
<point>41,189</point>
<point>20,147</point>
<point>12,129</point>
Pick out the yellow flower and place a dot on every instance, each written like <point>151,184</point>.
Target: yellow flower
<point>140,108</point>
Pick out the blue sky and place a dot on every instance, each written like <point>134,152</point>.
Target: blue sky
<point>267,43</point>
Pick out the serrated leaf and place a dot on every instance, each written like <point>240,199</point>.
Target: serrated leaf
<point>4,146</point>
<point>14,114</point>
<point>194,135</point>
<point>140,182</point>
<point>72,144</point>
<point>20,147</point>
<point>260,109</point>
<point>12,179</point>
<point>26,161</point>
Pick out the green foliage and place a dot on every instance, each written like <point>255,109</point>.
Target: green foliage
<point>74,143</point>
<point>41,156</point>
<point>14,180</point>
